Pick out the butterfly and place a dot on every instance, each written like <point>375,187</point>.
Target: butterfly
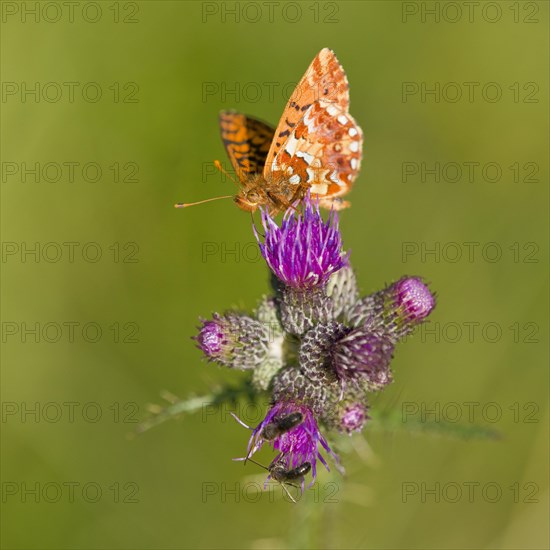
<point>315,148</point>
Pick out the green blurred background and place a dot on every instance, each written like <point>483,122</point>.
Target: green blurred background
<point>163,69</point>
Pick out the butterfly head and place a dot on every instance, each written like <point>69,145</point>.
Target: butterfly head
<point>249,200</point>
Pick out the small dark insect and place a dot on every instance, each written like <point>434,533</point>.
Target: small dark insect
<point>281,425</point>
<point>279,472</point>
<point>276,427</point>
<point>284,476</point>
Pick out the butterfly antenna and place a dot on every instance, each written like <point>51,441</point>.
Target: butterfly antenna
<point>219,166</point>
<point>186,204</point>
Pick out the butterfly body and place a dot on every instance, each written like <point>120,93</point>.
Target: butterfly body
<point>276,194</point>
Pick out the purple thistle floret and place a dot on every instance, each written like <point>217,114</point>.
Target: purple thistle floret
<point>305,251</point>
<point>211,339</point>
<point>298,445</point>
<point>414,298</point>
<point>353,418</point>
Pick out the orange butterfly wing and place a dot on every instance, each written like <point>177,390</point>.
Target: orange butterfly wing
<point>322,153</point>
<point>247,142</point>
<point>325,80</point>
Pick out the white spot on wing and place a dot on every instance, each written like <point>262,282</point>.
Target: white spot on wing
<point>354,146</point>
<point>290,146</point>
<point>342,119</point>
<point>352,132</point>
<point>353,163</point>
<point>308,116</point>
<point>334,177</point>
<point>294,179</point>
<point>331,110</point>
<point>306,156</point>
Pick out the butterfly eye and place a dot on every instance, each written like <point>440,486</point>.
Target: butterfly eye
<point>253,196</point>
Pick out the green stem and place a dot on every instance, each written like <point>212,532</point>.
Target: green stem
<point>178,407</point>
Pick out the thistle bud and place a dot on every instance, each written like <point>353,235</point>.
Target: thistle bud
<point>397,310</point>
<point>317,351</point>
<point>233,340</point>
<point>362,358</point>
<point>292,383</point>
<point>301,310</point>
<point>342,289</point>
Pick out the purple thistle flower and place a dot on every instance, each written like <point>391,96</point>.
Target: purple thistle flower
<point>297,445</point>
<point>305,251</point>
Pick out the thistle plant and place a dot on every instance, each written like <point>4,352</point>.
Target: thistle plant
<point>315,347</point>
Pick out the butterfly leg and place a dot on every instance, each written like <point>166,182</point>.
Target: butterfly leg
<point>299,194</point>
<point>277,204</point>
